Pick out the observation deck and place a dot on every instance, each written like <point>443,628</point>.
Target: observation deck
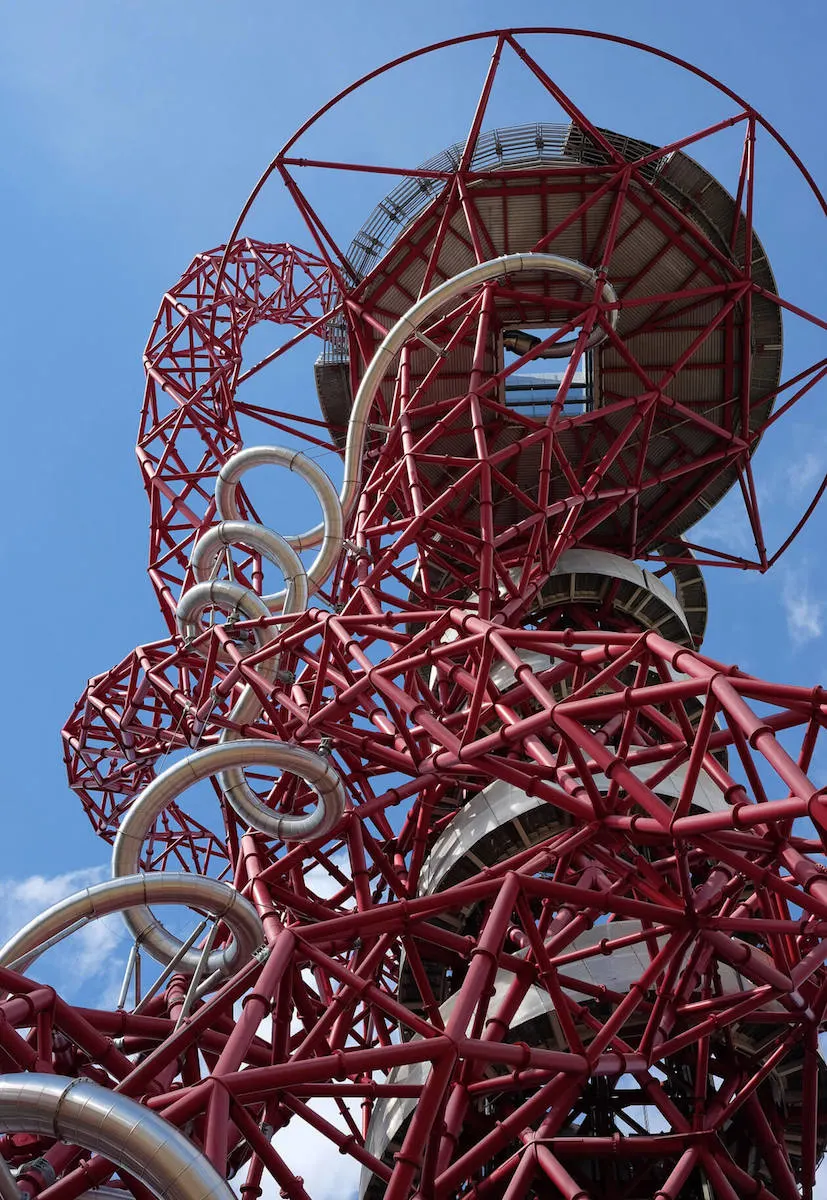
<point>686,330</point>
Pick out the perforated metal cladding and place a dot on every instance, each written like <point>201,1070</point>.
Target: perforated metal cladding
<point>530,184</point>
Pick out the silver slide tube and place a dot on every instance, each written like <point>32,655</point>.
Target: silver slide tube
<point>229,597</point>
<point>219,899</point>
<point>269,545</point>
<point>147,807</point>
<point>315,770</point>
<point>328,533</point>
<point>133,1137</point>
<point>408,325</point>
<point>231,756</point>
<point>233,598</point>
<point>282,551</point>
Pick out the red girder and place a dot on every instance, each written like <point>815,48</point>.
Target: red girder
<point>192,361</point>
<point>569,936</point>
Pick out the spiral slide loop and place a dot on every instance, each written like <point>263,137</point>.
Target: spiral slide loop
<point>130,892</point>
<point>127,1133</point>
<point>328,534</point>
<point>223,594</point>
<point>313,768</point>
<point>412,321</point>
<point>219,899</point>
<point>270,545</point>
<point>228,759</point>
<point>232,597</point>
<point>335,509</point>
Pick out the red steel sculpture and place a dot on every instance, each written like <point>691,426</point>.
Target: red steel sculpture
<point>506,889</point>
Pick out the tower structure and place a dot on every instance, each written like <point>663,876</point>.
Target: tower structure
<point>510,891</point>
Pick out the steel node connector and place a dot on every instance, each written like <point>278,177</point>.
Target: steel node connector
<point>504,889</point>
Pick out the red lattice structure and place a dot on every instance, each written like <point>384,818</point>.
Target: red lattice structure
<point>190,413</point>
<point>538,888</point>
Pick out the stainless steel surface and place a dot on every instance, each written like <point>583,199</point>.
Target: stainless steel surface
<point>130,892</point>
<point>126,892</point>
<point>133,1137</point>
<point>617,971</point>
<point>503,677</point>
<point>198,975</point>
<point>283,552</point>
<point>328,534</point>
<point>269,545</point>
<point>316,771</point>
<point>229,597</point>
<point>645,264</point>
<point>690,587</point>
<point>171,966</point>
<point>408,325</point>
<point>502,804</point>
<point>646,599</point>
<point>8,1188</point>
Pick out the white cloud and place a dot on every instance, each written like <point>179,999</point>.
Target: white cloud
<point>84,967</point>
<point>23,899</point>
<point>803,610</point>
<point>807,471</point>
<point>322,883</point>
<point>327,1174</point>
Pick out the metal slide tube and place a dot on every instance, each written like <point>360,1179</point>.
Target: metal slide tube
<point>8,1187</point>
<point>315,770</point>
<point>170,968</point>
<point>269,545</point>
<point>233,598</point>
<point>146,808</point>
<point>407,326</point>
<point>219,899</point>
<point>133,1137</point>
<point>229,597</point>
<point>328,533</point>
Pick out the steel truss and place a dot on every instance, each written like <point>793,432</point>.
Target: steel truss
<point>567,937</point>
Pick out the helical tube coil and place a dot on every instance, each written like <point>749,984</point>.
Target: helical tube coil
<point>231,755</point>
<point>130,1135</point>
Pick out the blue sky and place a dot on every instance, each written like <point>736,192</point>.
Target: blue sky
<point>133,132</point>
